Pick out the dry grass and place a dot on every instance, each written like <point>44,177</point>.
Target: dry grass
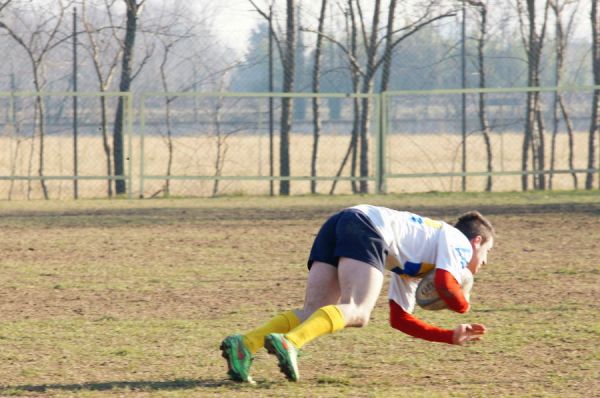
<point>247,156</point>
<point>131,298</point>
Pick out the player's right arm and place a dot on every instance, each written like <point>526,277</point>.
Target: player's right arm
<point>409,324</point>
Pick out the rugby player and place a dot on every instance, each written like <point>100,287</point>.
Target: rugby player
<point>346,266</point>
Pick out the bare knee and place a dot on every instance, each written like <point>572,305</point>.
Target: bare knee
<point>355,316</point>
<point>361,321</point>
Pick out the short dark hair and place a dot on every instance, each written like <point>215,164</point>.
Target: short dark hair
<point>473,223</point>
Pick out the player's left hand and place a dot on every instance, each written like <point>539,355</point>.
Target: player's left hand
<point>467,332</point>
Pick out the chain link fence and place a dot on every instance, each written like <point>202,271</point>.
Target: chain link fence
<point>60,146</point>
<point>427,136</point>
<point>210,144</point>
<point>230,144</point>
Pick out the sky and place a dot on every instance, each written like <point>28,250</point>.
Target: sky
<point>234,20</point>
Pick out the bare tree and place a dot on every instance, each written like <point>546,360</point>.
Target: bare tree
<point>315,101</point>
<point>370,42</point>
<point>43,38</point>
<point>15,131</point>
<point>374,59</point>
<point>3,4</point>
<point>273,39</point>
<point>167,47</point>
<point>482,114</point>
<point>533,140</point>
<point>288,55</point>
<point>352,34</point>
<point>595,122</point>
<point>221,135</point>
<point>105,59</point>
<point>389,41</point>
<point>169,40</point>
<point>562,40</point>
<point>289,71</point>
<point>271,104</point>
<point>127,75</point>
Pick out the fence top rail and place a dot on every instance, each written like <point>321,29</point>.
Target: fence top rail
<point>497,90</point>
<point>66,94</point>
<point>256,94</point>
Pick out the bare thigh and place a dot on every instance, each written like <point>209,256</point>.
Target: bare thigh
<point>322,288</point>
<point>360,285</point>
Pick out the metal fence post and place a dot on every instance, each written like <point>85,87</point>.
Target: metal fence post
<point>142,136</point>
<point>380,153</point>
<point>129,98</point>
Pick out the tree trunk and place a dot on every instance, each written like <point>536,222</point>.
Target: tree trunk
<point>355,102</point>
<point>39,103</point>
<point>103,84</point>
<point>124,86</point>
<point>286,102</point>
<point>221,146</point>
<point>534,130</point>
<point>165,85</point>
<point>271,105</point>
<point>354,140</point>
<point>351,146</point>
<point>541,148</point>
<point>571,135</point>
<point>529,118</point>
<point>595,122</point>
<point>483,122</point>
<point>367,86</point>
<point>16,133</point>
<point>388,53</point>
<point>559,58</point>
<point>106,144</point>
<point>315,101</point>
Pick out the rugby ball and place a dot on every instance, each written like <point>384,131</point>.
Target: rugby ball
<point>429,299</point>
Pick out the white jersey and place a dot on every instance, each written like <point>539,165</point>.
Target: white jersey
<point>415,246</point>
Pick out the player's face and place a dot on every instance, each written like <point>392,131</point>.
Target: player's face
<point>480,253</point>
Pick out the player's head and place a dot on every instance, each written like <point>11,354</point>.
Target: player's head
<point>480,232</point>
<point>473,224</point>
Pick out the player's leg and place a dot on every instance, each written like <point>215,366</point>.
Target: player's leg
<point>360,251</point>
<point>360,285</point>
<point>322,289</point>
<point>238,350</point>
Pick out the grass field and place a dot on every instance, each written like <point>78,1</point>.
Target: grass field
<point>132,298</point>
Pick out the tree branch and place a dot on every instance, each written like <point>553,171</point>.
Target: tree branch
<point>331,39</point>
<point>414,30</point>
<point>272,31</point>
<point>4,4</point>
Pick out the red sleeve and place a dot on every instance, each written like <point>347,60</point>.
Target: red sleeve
<point>405,322</point>
<point>450,291</point>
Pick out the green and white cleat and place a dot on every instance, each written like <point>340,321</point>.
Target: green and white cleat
<point>239,358</point>
<point>286,353</point>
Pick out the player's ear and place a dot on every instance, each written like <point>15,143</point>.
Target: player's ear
<point>477,241</point>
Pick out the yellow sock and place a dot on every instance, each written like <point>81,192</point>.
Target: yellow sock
<point>282,323</point>
<point>325,320</point>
